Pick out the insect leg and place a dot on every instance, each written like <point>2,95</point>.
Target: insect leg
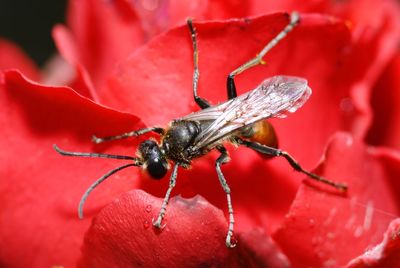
<point>128,134</point>
<point>172,182</point>
<point>230,83</point>
<point>222,159</point>
<point>276,152</point>
<point>203,103</point>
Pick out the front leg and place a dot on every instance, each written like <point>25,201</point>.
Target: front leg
<point>222,159</point>
<point>135,133</point>
<point>172,183</point>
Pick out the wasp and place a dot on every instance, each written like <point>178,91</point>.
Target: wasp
<point>240,120</point>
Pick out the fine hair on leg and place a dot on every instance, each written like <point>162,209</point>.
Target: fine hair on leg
<point>126,135</point>
<point>202,103</point>
<point>163,209</point>
<point>223,159</point>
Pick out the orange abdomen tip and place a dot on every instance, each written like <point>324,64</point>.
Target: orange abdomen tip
<point>262,132</point>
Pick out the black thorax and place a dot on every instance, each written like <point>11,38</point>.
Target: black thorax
<point>178,138</point>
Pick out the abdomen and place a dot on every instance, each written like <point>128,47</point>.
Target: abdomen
<point>262,132</point>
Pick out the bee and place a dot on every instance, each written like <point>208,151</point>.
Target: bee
<point>240,120</point>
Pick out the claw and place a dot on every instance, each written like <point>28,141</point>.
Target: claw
<point>229,243</point>
<point>157,223</point>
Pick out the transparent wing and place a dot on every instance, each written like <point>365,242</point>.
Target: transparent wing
<point>274,97</point>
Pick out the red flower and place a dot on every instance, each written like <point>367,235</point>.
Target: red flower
<point>40,189</point>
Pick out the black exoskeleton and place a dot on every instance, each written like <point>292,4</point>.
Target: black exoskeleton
<point>177,140</point>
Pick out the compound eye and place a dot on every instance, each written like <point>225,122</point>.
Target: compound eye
<point>157,168</point>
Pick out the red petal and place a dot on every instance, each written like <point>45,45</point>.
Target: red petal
<point>328,229</point>
<point>159,16</point>
<point>385,103</point>
<point>261,250</point>
<point>102,36</point>
<point>81,82</point>
<point>12,57</point>
<point>66,44</point>
<point>40,189</point>
<point>385,254</point>
<point>179,11</point>
<point>122,235</point>
<point>98,44</point>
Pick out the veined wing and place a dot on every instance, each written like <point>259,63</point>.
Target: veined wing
<point>274,97</point>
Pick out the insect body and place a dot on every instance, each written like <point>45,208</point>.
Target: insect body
<point>240,120</point>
